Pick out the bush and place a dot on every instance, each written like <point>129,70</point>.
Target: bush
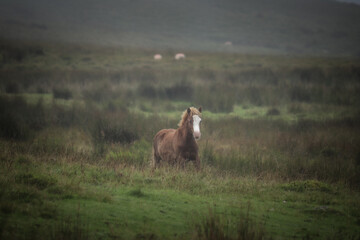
<point>208,154</point>
<point>307,185</point>
<point>148,91</point>
<point>18,120</point>
<point>216,98</point>
<point>180,91</point>
<point>98,92</point>
<point>299,94</point>
<point>13,128</point>
<point>40,182</point>
<point>12,87</point>
<point>110,129</point>
<point>254,95</point>
<point>15,52</point>
<point>213,227</point>
<point>273,112</point>
<point>136,154</point>
<point>62,93</point>
<point>309,75</point>
<point>295,109</point>
<point>66,117</point>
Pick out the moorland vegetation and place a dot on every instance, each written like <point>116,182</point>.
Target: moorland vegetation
<point>280,145</point>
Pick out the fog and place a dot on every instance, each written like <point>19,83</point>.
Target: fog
<point>350,1</point>
<point>317,27</point>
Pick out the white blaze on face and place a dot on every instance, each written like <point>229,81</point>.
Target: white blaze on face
<point>196,126</point>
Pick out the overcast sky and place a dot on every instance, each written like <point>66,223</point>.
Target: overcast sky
<point>350,1</point>
<point>258,26</point>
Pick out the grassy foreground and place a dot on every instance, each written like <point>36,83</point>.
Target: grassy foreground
<point>279,148</point>
<point>72,196</point>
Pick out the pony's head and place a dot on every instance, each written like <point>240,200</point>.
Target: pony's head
<point>191,118</point>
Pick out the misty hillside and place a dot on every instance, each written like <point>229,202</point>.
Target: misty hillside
<point>312,27</point>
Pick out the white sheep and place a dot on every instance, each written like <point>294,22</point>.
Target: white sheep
<point>157,57</point>
<point>179,56</point>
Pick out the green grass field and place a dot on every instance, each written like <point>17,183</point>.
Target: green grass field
<point>279,149</point>
<point>63,199</point>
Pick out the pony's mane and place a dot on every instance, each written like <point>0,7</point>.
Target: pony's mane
<point>193,111</point>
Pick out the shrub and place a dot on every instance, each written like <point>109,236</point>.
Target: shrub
<point>148,91</point>
<point>50,142</point>
<point>216,98</point>
<point>213,227</point>
<point>137,193</point>
<point>40,182</point>
<point>98,92</point>
<point>41,90</point>
<point>295,109</point>
<point>18,120</point>
<point>109,129</point>
<point>180,91</point>
<point>62,93</point>
<point>12,87</point>
<point>208,154</point>
<point>307,75</point>
<point>307,185</point>
<point>71,228</point>
<point>66,117</point>
<point>254,96</point>
<point>299,94</point>
<point>113,132</point>
<point>273,112</point>
<point>135,154</point>
<point>13,128</point>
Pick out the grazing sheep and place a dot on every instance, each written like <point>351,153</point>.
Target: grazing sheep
<point>157,57</point>
<point>179,56</point>
<point>228,43</point>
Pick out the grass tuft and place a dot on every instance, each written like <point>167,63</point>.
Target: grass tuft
<point>307,185</point>
<point>62,93</point>
<point>137,193</point>
<point>216,227</point>
<point>273,112</point>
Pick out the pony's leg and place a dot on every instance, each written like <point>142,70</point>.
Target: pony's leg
<point>182,163</point>
<point>157,161</point>
<point>177,162</point>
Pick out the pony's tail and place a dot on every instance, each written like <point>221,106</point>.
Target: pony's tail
<point>153,160</point>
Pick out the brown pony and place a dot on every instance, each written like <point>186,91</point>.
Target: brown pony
<point>179,146</point>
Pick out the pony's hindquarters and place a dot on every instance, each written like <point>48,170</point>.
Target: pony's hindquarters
<point>162,146</point>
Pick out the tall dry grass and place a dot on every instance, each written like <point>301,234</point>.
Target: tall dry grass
<point>327,150</point>
<point>264,148</point>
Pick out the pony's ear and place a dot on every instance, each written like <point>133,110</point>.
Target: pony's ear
<point>200,109</point>
<point>188,110</point>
